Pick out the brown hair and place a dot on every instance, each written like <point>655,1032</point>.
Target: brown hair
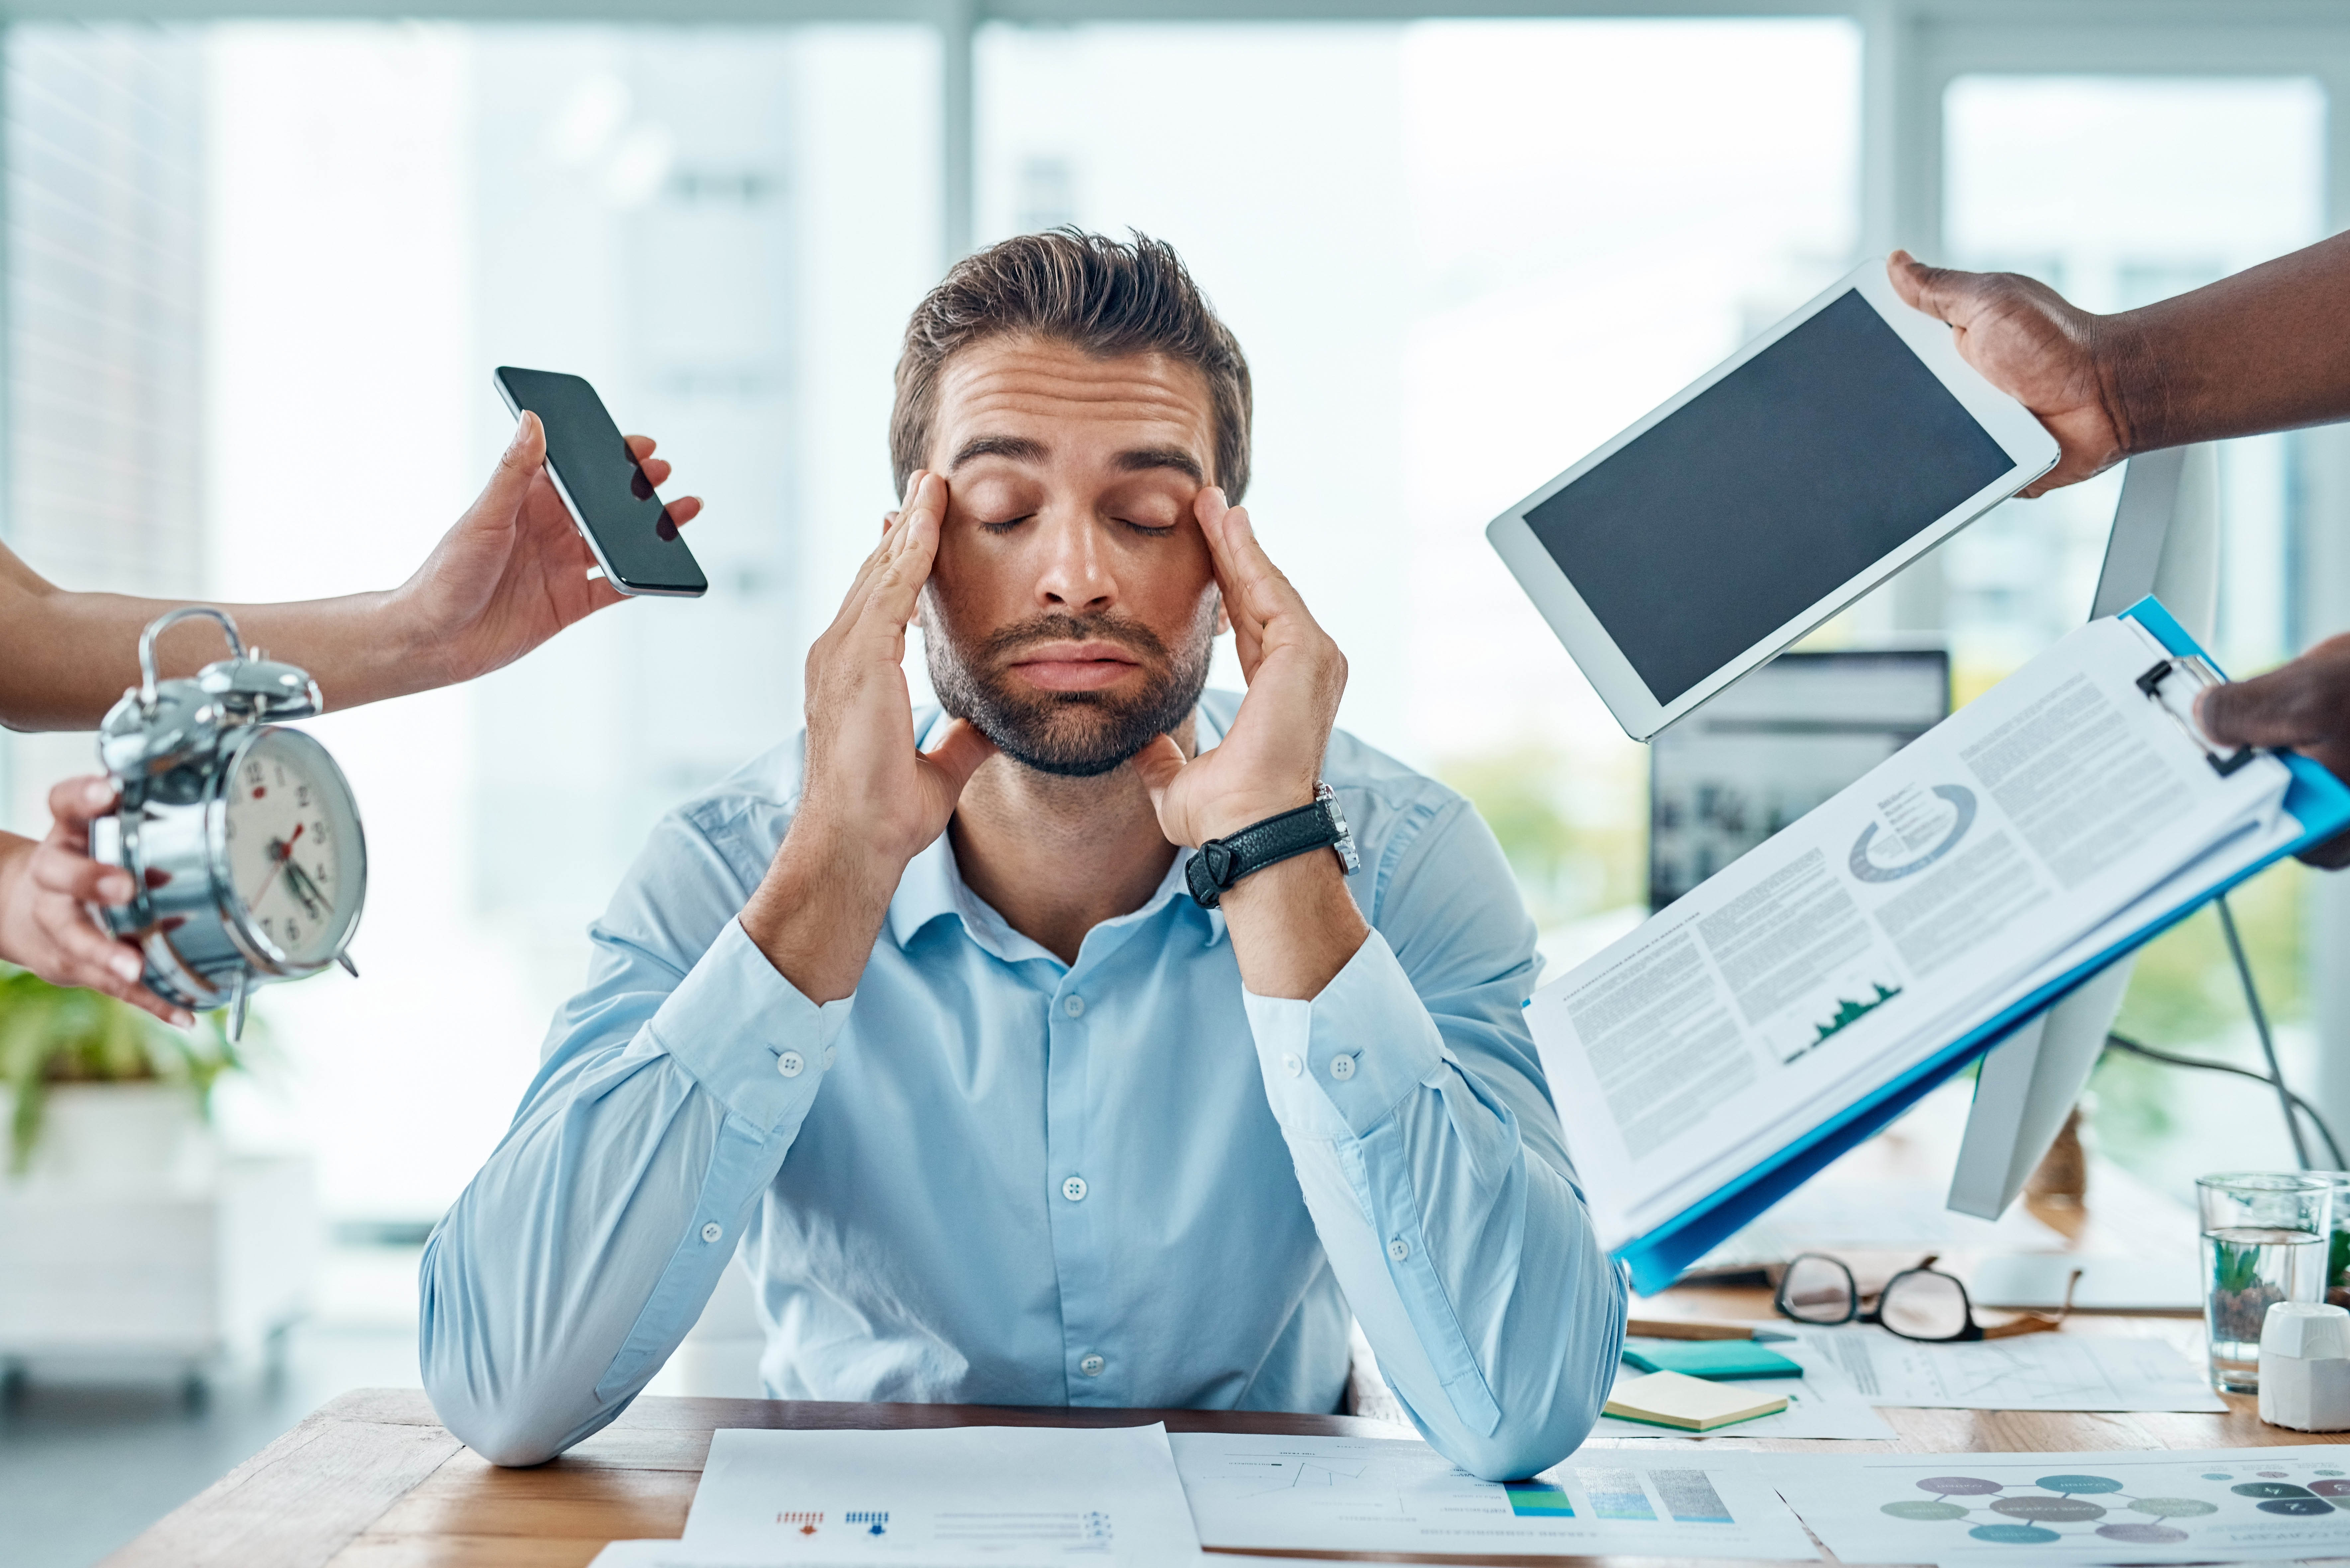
<point>1093,292</point>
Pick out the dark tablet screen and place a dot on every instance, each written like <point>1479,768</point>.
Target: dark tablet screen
<point>1758,497</point>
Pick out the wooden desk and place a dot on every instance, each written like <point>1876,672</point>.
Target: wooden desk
<point>373,1481</point>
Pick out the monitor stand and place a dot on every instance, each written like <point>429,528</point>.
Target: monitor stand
<point>2165,542</point>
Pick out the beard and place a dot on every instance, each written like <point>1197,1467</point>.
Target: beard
<point>1074,734</point>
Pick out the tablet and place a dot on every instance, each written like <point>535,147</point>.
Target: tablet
<point>1810,466</point>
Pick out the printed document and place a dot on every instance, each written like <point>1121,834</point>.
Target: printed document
<point>2028,1372</point>
<point>955,1496</point>
<point>2229,1505</point>
<point>2015,841</point>
<point>1375,1494</point>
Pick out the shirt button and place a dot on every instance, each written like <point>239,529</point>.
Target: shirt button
<point>1074,1005</point>
<point>1074,1189</point>
<point>1291,1065</point>
<point>791,1064</point>
<point>711,1232</point>
<point>1342,1067</point>
<point>1398,1249</point>
<point>1092,1365</point>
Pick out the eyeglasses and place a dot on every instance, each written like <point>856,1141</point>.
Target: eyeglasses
<point>1920,1304</point>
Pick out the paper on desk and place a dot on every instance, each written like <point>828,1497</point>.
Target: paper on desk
<point>1864,937</point>
<point>1823,1403</point>
<point>1372,1495</point>
<point>680,1555</point>
<point>2029,1372</point>
<point>2132,1506</point>
<point>953,1497</point>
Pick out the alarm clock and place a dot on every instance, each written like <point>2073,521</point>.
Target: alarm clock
<point>247,864</point>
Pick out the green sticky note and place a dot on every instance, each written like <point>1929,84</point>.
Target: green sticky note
<point>1715,1358</point>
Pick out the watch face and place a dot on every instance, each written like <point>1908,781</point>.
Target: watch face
<point>296,863</point>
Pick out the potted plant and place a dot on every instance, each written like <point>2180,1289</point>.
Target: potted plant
<point>98,1092</point>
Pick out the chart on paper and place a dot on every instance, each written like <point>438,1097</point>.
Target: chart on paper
<point>966,1497</point>
<point>2029,1372</point>
<point>1365,1494</point>
<point>2127,1506</point>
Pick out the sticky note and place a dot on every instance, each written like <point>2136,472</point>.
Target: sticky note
<point>1692,1404</point>
<point>1714,1358</point>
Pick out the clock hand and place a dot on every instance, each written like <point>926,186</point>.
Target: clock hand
<point>285,853</point>
<point>304,888</point>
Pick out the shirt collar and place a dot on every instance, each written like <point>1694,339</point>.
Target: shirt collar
<point>933,885</point>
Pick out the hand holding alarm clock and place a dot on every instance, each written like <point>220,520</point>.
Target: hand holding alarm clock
<point>242,839</point>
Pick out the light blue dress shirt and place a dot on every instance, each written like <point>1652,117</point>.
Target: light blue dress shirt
<point>993,1178</point>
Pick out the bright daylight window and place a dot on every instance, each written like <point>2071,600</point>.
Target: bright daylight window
<point>722,229</point>
<point>1458,256</point>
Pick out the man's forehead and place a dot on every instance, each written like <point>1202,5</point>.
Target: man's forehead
<point>1033,389</point>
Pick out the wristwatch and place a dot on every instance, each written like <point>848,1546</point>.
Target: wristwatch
<point>1221,862</point>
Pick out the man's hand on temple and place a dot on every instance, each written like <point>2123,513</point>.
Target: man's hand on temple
<point>2033,345</point>
<point>1294,924</point>
<point>44,926</point>
<point>2304,705</point>
<point>870,802</point>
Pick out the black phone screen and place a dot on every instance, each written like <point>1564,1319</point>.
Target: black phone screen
<point>639,546</point>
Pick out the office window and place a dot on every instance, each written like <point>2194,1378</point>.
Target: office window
<point>2119,192</point>
<point>1458,256</point>
<point>260,274</point>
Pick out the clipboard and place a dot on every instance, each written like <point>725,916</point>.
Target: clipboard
<point>2314,798</point>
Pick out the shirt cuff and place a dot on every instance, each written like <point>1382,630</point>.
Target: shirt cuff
<point>746,1035</point>
<point>1336,1065</point>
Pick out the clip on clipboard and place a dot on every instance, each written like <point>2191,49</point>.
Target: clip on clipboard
<point>2173,685</point>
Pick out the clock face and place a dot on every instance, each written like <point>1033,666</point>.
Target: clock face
<point>295,855</point>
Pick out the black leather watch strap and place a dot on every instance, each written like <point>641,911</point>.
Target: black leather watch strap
<point>1221,862</point>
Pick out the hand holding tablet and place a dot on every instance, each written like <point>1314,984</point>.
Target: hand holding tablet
<point>1770,493</point>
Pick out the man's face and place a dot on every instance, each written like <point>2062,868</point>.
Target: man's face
<point>1070,610</point>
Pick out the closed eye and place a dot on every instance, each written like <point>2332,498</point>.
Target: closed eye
<point>1008,524</point>
<point>1146,530</point>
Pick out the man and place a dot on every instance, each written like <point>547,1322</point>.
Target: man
<point>1007,1115</point>
<point>509,573</point>
<point>2266,350</point>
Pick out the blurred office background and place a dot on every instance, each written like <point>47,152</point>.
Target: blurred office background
<point>257,274</point>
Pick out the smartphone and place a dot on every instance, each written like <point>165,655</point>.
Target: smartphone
<point>607,492</point>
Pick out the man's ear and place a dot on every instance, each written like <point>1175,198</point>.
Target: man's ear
<point>1224,617</point>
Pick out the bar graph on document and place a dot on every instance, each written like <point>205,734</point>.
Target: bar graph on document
<point>1362,1494</point>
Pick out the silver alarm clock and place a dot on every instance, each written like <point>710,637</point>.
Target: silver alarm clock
<point>242,838</point>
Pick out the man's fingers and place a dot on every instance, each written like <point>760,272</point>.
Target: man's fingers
<point>1943,293</point>
<point>655,471</point>
<point>56,870</point>
<point>2305,702</point>
<point>643,447</point>
<point>684,510</point>
<point>74,802</point>
<point>896,584</point>
<point>1157,765</point>
<point>959,753</point>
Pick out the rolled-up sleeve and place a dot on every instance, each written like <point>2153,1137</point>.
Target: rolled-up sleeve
<point>1413,1103</point>
<point>672,1090</point>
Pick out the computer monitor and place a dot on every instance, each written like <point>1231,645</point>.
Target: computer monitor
<point>1780,741</point>
<point>2165,542</point>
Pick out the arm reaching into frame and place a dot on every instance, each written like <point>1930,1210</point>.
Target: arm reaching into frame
<point>2266,350</point>
<point>510,574</point>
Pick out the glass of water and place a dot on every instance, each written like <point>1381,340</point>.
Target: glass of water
<point>2265,1239</point>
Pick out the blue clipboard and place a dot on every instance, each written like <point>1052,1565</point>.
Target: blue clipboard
<point>2315,798</point>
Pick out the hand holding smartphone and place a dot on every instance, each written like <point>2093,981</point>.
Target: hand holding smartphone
<point>603,488</point>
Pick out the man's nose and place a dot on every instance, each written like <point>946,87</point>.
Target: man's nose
<point>1075,575</point>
